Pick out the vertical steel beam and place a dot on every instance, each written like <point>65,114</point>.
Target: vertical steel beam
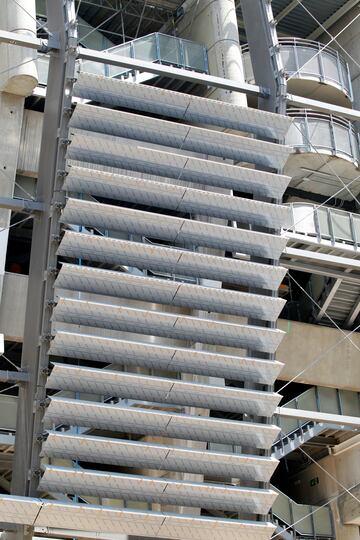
<point>61,23</point>
<point>261,35</point>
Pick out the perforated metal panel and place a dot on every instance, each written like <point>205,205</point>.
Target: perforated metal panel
<point>157,323</point>
<point>150,355</point>
<point>139,454</point>
<point>166,194</point>
<point>174,229</point>
<point>178,105</point>
<point>176,135</point>
<point>87,517</point>
<point>167,391</point>
<point>115,152</point>
<point>161,291</point>
<point>160,490</point>
<point>170,261</point>
<point>159,423</point>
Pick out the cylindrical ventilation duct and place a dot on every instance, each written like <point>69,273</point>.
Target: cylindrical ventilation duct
<point>18,72</point>
<point>214,23</point>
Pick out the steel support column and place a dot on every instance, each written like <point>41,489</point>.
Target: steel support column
<point>61,22</point>
<point>260,28</point>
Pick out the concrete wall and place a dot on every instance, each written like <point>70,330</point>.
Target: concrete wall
<point>339,365</point>
<point>343,465</point>
<point>12,306</point>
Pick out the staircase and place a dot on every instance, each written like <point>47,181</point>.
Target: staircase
<point>341,302</point>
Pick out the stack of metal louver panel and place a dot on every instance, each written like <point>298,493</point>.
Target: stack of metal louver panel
<point>142,322</point>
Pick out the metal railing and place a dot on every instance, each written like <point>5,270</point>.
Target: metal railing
<point>320,399</point>
<point>306,59</point>
<point>158,48</point>
<point>331,224</point>
<point>310,521</point>
<point>325,133</point>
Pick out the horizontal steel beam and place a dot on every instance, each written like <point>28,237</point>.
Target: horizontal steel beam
<point>327,418</point>
<point>172,72</point>
<point>13,376</point>
<point>320,270</point>
<point>317,257</point>
<point>21,205</point>
<point>23,40</point>
<point>327,108</point>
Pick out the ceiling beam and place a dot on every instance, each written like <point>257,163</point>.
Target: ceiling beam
<point>333,19</point>
<point>284,12</point>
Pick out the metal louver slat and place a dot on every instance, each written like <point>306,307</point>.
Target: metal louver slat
<point>88,517</point>
<point>179,105</point>
<point>176,197</point>
<point>157,490</point>
<point>159,423</point>
<point>176,135</point>
<point>157,323</point>
<point>120,284</point>
<point>115,152</point>
<point>159,389</point>
<point>173,229</point>
<point>169,260</point>
<point>157,456</point>
<point>149,355</point>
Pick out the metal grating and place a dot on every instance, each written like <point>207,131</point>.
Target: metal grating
<point>161,291</point>
<point>170,261</point>
<point>176,197</point>
<point>103,450</point>
<point>115,152</point>
<point>173,229</point>
<point>106,382</point>
<point>169,325</point>
<point>179,136</point>
<point>177,105</point>
<point>157,490</point>
<point>159,423</point>
<point>150,355</point>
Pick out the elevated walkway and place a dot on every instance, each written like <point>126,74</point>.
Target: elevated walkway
<point>325,241</point>
<point>318,417</point>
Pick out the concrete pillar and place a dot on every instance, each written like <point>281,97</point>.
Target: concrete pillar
<point>16,82</point>
<point>214,23</point>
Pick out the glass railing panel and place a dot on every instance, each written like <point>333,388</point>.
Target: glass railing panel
<point>323,522</point>
<point>307,400</point>
<point>194,56</point>
<point>297,134</point>
<point>145,48</point>
<point>341,226</point>
<point>319,133</point>
<point>342,139</point>
<point>282,509</point>
<point>121,50</point>
<point>323,220</point>
<point>309,63</point>
<point>350,403</point>
<point>169,49</point>
<point>302,518</point>
<point>304,219</point>
<point>356,223</point>
<point>288,57</point>
<point>328,400</point>
<point>287,425</point>
<point>331,67</point>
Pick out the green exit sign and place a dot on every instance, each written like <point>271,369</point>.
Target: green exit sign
<point>314,481</point>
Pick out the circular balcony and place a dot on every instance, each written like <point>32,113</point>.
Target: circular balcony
<point>326,147</point>
<point>311,71</point>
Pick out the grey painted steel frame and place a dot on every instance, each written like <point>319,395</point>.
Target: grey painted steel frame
<point>61,21</point>
<point>264,53</point>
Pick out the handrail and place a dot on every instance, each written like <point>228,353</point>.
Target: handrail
<point>327,224</point>
<point>317,132</point>
<point>327,65</point>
